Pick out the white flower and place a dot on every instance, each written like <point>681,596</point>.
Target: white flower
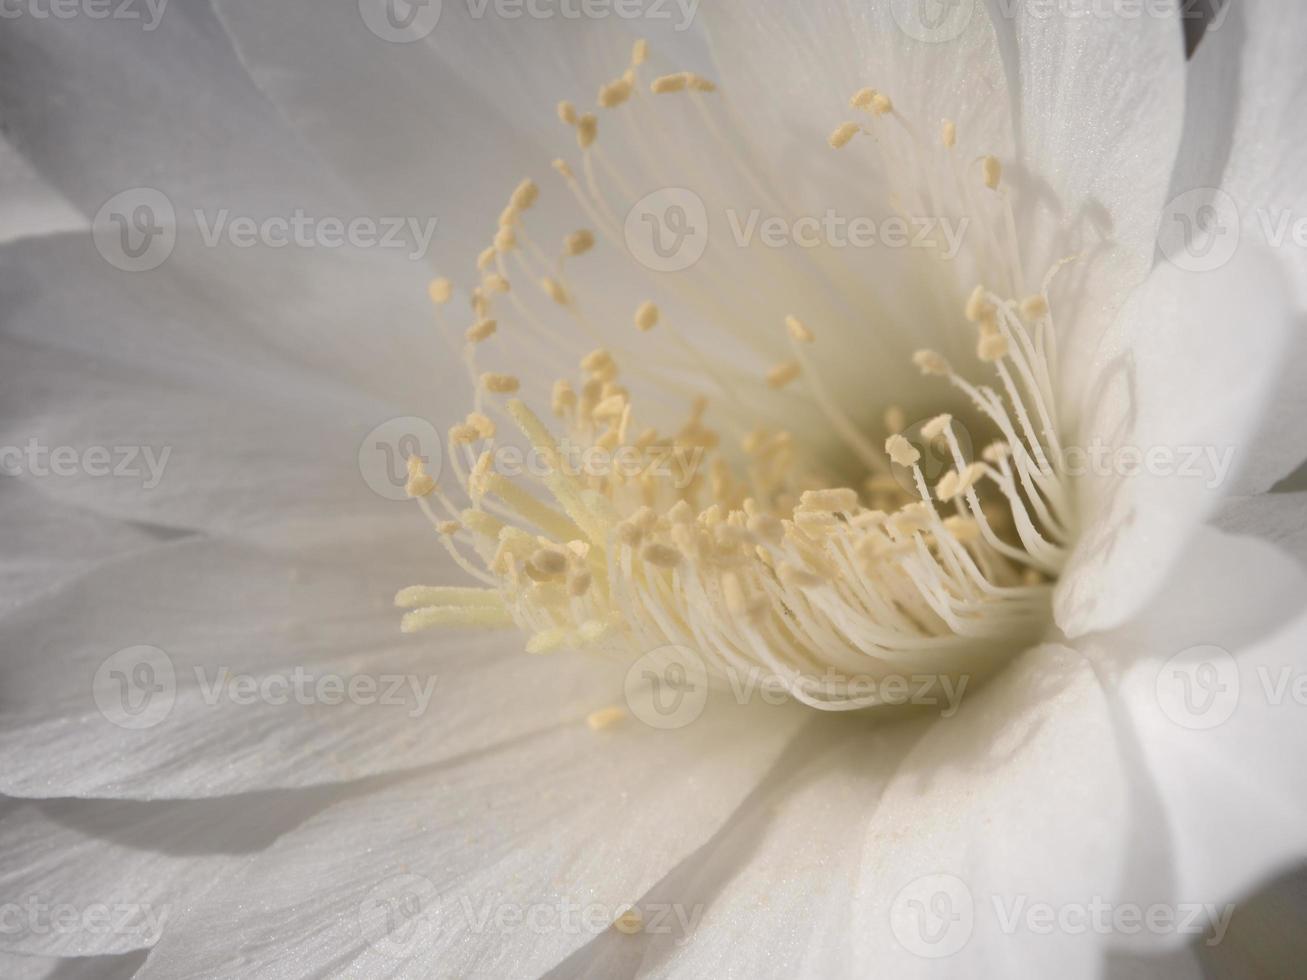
<point>1019,478</point>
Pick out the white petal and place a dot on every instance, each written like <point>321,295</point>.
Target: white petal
<point>1243,136</point>
<point>1177,379</point>
<point>17,967</point>
<point>246,669</point>
<point>415,880</point>
<point>28,204</point>
<point>1099,103</point>
<point>1280,518</point>
<point>261,406</point>
<point>47,544</point>
<point>1020,798</point>
<point>92,878</point>
<point>1214,681</point>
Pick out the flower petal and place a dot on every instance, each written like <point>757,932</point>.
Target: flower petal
<point>29,205</point>
<point>1179,392</point>
<point>96,877</point>
<point>1212,682</point>
<point>1246,85</point>
<point>204,668</point>
<point>505,863</point>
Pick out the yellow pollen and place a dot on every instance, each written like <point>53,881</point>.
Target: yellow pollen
<point>440,290</point>
<point>782,374</point>
<point>505,240</point>
<point>662,555</point>
<point>495,283</point>
<point>838,500</point>
<point>524,195</point>
<point>614,93</point>
<point>669,83</point>
<point>646,316</point>
<point>480,331</point>
<point>992,347</point>
<point>630,922</point>
<point>486,258</point>
<point>881,104</point>
<point>699,84</point>
<point>500,384</point>
<point>1034,307</point>
<point>993,172</point>
<point>567,113</point>
<point>579,242</point>
<point>861,99</point>
<point>798,330</point>
<point>555,290</point>
<point>605,718</point>
<point>978,306</point>
<point>948,133</point>
<point>419,483</point>
<point>841,136</point>
<point>587,129</point>
<point>902,451</point>
<point>937,426</point>
<point>895,419</point>
<point>929,362</point>
<point>564,168</point>
<point>639,52</point>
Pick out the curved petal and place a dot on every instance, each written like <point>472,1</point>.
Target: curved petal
<point>1244,153</point>
<point>1279,518</point>
<point>205,668</point>
<point>1212,682</point>
<point>1177,399</point>
<point>1020,800</point>
<point>82,968</point>
<point>230,411</point>
<point>28,204</point>
<point>124,869</point>
<point>506,863</point>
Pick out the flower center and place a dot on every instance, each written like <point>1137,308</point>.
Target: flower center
<point>737,540</point>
